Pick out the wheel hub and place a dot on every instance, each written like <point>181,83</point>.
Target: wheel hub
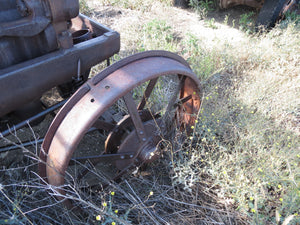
<point>145,152</point>
<point>114,139</point>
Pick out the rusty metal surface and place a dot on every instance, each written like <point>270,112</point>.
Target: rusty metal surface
<point>31,28</point>
<point>33,118</point>
<point>27,26</point>
<point>37,50</point>
<point>104,158</point>
<point>146,152</point>
<point>98,94</point>
<point>40,74</point>
<point>63,10</point>
<point>114,138</point>
<point>135,117</point>
<point>289,5</point>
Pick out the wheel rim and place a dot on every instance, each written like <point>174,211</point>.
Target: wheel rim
<point>94,99</point>
<point>288,5</point>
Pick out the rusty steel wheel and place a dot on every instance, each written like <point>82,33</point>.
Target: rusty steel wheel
<point>133,107</point>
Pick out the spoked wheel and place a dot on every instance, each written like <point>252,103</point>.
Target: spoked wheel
<point>134,106</point>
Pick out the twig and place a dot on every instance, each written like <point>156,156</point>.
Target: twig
<point>144,208</point>
<point>16,206</point>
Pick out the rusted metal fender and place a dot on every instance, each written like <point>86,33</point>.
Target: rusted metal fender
<point>97,95</point>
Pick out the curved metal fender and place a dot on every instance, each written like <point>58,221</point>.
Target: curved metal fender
<point>97,95</point>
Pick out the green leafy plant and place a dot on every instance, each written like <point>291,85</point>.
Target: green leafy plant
<point>202,7</point>
<point>84,7</point>
<point>246,22</point>
<point>211,23</point>
<point>157,34</point>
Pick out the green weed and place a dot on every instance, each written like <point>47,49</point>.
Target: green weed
<point>226,19</point>
<point>241,144</point>
<point>211,23</point>
<point>157,34</point>
<point>204,62</point>
<point>246,22</point>
<point>202,7</point>
<point>84,7</point>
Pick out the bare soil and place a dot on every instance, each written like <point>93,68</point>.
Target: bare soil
<point>185,21</point>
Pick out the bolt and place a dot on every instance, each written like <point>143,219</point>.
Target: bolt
<point>131,156</point>
<point>122,157</point>
<point>144,139</point>
<point>141,132</point>
<point>65,33</point>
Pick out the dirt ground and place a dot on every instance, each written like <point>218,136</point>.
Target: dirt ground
<point>184,20</point>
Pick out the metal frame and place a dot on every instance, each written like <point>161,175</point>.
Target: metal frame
<point>27,81</point>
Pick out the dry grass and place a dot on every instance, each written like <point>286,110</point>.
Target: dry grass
<point>240,165</point>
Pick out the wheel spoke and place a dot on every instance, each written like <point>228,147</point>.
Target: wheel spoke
<point>102,158</point>
<point>173,99</point>
<point>147,93</point>
<point>91,161</point>
<point>136,119</point>
<point>183,100</point>
<point>102,125</point>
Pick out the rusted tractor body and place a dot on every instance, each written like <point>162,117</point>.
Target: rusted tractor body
<point>135,104</point>
<point>37,50</point>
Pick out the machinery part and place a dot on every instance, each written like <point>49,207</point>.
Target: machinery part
<point>33,118</point>
<point>289,6</point>
<point>65,90</point>
<point>114,139</point>
<point>32,78</point>
<point>272,11</point>
<point>24,145</point>
<point>81,35</point>
<point>27,111</point>
<point>32,28</point>
<point>224,4</point>
<point>129,88</point>
<point>69,88</point>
